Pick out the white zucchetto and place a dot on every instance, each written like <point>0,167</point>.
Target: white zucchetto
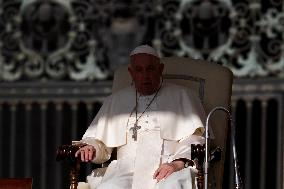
<point>145,49</point>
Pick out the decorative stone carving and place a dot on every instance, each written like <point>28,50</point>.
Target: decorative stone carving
<point>88,40</point>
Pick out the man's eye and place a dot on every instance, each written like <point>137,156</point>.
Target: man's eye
<point>138,69</point>
<point>151,68</point>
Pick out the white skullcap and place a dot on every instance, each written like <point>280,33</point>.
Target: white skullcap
<point>146,49</point>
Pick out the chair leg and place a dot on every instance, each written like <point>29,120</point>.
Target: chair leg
<point>200,177</point>
<point>74,173</point>
<point>198,153</point>
<point>67,153</point>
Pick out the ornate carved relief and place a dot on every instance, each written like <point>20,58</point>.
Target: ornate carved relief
<point>245,36</point>
<point>88,39</point>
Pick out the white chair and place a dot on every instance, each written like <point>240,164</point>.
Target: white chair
<point>212,83</point>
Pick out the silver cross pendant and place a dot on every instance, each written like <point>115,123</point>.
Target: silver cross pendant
<point>134,129</point>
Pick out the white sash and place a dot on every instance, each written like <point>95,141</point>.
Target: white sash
<point>148,157</point>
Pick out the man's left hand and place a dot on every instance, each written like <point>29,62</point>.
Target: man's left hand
<point>166,169</point>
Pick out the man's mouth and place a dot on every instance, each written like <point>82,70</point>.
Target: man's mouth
<point>147,83</point>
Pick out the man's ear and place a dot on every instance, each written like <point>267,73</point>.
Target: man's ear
<point>130,71</point>
<point>161,68</point>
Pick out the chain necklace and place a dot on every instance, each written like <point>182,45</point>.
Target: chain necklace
<point>136,127</point>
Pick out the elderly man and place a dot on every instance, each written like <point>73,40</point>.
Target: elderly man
<point>152,124</point>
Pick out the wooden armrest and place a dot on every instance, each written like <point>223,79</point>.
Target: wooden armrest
<point>67,153</point>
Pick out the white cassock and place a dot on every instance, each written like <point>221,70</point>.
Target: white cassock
<point>167,128</point>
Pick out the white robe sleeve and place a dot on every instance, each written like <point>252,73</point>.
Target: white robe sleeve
<point>109,125</point>
<point>182,148</point>
<point>103,153</point>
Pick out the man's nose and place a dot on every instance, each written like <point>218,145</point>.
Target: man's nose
<point>146,74</point>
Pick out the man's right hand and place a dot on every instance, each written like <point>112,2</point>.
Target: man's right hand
<point>87,153</point>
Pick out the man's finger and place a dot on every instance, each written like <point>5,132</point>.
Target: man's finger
<point>82,155</point>
<point>91,153</point>
<point>168,174</point>
<point>162,174</point>
<point>86,153</point>
<point>76,154</point>
<point>156,173</point>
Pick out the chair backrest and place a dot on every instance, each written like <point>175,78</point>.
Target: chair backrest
<point>212,83</point>
<point>16,183</point>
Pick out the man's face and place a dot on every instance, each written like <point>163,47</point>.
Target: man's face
<point>146,72</point>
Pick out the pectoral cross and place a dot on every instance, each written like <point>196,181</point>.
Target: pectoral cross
<point>134,129</point>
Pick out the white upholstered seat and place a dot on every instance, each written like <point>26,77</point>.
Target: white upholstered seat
<point>212,83</point>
